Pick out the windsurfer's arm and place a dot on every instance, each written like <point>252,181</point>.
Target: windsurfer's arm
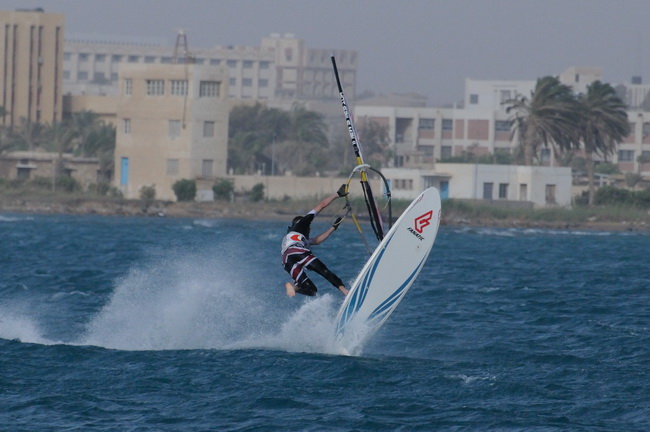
<point>328,200</point>
<point>322,237</point>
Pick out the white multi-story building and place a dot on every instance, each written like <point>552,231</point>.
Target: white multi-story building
<point>280,69</point>
<point>420,136</point>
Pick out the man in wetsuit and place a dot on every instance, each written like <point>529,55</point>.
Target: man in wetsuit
<point>296,251</point>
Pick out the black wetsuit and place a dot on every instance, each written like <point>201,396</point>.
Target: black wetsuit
<point>297,256</point>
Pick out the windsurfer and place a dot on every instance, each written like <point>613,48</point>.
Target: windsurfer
<point>296,251</point>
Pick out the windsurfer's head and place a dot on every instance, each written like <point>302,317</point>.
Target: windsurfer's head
<point>294,221</point>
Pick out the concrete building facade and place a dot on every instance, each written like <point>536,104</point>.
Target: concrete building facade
<point>420,136</point>
<point>31,73</point>
<point>172,124</point>
<point>280,70</point>
<point>537,185</point>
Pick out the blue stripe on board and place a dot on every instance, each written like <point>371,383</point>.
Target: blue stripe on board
<point>388,303</point>
<point>359,295</point>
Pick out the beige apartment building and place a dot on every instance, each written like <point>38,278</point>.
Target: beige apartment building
<point>172,124</point>
<point>31,73</point>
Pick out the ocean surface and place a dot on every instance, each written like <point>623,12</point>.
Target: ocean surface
<point>156,324</point>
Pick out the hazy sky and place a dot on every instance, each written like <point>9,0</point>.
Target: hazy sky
<point>423,46</point>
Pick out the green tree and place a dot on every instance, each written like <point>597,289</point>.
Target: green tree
<point>257,192</point>
<point>303,149</point>
<point>28,135</point>
<point>59,139</point>
<point>223,189</point>
<point>550,117</point>
<point>604,124</point>
<point>83,124</point>
<point>251,133</point>
<point>185,190</point>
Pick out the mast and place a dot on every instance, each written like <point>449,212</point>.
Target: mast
<point>373,211</point>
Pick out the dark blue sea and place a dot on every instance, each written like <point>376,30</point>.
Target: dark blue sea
<point>156,324</point>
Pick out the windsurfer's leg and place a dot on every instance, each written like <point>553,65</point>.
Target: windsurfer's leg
<point>305,286</point>
<point>291,289</point>
<point>320,268</point>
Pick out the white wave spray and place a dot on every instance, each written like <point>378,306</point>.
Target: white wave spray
<point>210,301</point>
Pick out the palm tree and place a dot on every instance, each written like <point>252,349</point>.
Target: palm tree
<point>604,125</point>
<point>83,123</point>
<point>550,117</point>
<point>306,140</point>
<point>28,135</point>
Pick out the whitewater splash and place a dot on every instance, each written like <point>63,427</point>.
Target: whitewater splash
<point>215,299</point>
<point>18,325</point>
<point>200,302</point>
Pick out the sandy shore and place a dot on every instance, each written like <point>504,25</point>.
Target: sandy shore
<point>260,210</point>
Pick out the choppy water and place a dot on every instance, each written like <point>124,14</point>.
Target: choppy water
<point>132,324</point>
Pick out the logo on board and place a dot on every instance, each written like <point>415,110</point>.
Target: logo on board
<point>420,223</point>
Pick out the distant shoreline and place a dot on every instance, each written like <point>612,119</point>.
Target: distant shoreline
<point>262,211</point>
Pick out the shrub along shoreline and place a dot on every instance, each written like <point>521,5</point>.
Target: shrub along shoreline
<point>612,217</point>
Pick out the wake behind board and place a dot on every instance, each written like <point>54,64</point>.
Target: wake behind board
<point>389,273</point>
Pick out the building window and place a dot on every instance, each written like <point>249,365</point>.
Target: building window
<point>248,64</point>
<point>232,82</point>
<point>126,126</point>
<point>447,124</point>
<point>626,155</point>
<point>165,60</point>
<point>209,89</point>
<point>208,129</point>
<point>82,76</point>
<point>427,124</point>
<point>215,62</point>
<point>445,152</point>
<point>172,167</point>
<point>179,87</point>
<point>83,57</point>
<point>487,191</point>
<point>66,75</point>
<point>505,95</point>
<point>502,126</point>
<point>503,190</point>
<point>403,184</point>
<point>128,86</point>
<point>206,168</point>
<point>174,129</point>
<point>149,59</point>
<point>99,77</point>
<point>646,129</point>
<point>247,82</point>
<point>67,56</point>
<point>134,58</point>
<point>550,194</point>
<point>116,58</point>
<point>23,173</point>
<point>232,63</point>
<point>155,87</point>
<point>114,76</point>
<point>100,58</point>
<point>473,99</point>
<point>523,192</point>
<point>264,64</point>
<point>263,83</point>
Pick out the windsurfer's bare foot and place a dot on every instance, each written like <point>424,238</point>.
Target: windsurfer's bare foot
<point>343,290</point>
<point>291,290</point>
